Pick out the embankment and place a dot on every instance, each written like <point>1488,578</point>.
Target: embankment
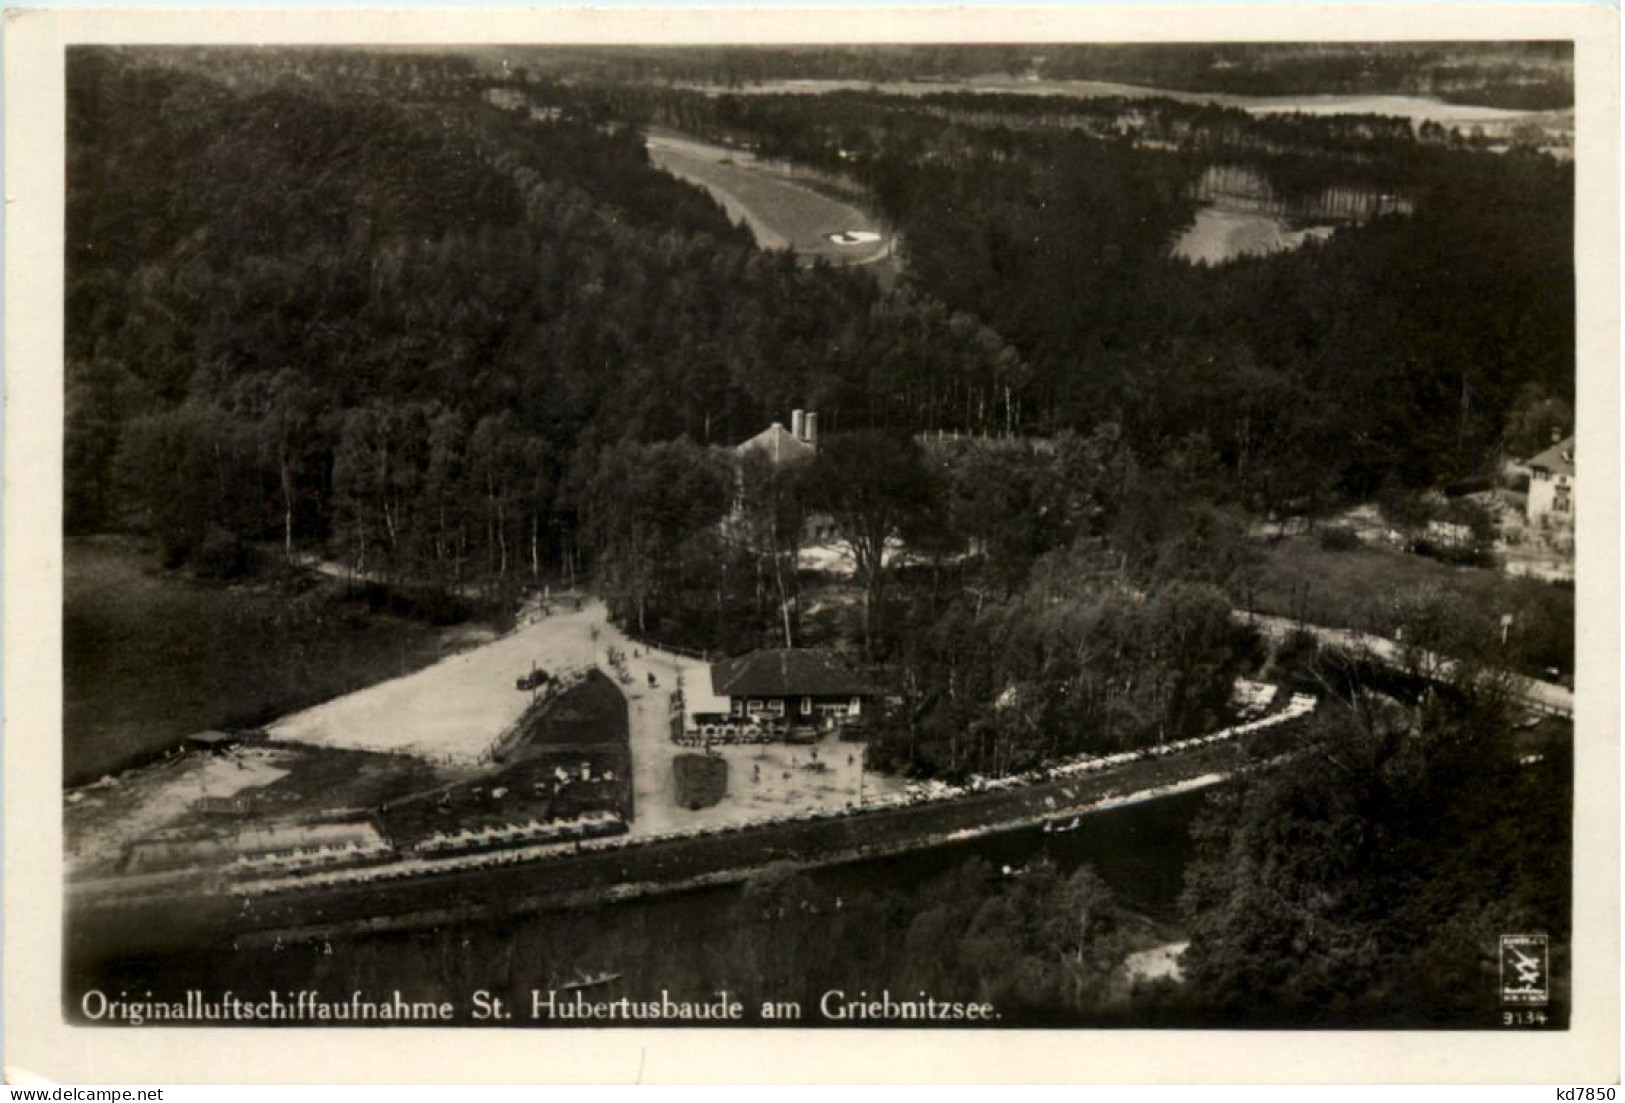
<point>672,865</point>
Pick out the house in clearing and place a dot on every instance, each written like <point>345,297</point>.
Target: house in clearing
<point>793,693</point>
<point>1551,485</point>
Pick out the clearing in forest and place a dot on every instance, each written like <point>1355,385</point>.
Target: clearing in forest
<point>780,212</point>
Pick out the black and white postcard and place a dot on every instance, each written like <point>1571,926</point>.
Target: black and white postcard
<point>812,546</point>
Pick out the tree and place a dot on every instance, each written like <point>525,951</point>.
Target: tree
<point>1045,941</point>
<point>1536,420</point>
<point>772,516</point>
<point>1365,881</point>
<point>495,466</point>
<point>875,486</point>
<point>378,471</point>
<point>1010,506</point>
<point>287,411</point>
<point>1458,645</point>
<point>447,490</point>
<point>640,503</point>
<point>100,397</point>
<point>191,473</point>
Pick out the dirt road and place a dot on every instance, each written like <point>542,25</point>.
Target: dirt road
<point>1547,697</point>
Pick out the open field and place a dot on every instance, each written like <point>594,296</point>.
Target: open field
<point>780,212</point>
<point>1219,235</point>
<point>151,656</point>
<point>453,710</point>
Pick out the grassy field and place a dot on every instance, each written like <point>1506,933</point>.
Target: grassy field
<point>1361,588</point>
<point>780,212</point>
<point>151,656</point>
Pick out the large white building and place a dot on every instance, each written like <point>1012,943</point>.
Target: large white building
<point>1551,485</point>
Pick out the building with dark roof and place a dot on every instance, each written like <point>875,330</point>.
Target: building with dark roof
<point>1551,485</point>
<point>791,688</point>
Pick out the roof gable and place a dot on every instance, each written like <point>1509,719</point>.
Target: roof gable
<point>778,444</point>
<point>1558,459</point>
<point>786,672</point>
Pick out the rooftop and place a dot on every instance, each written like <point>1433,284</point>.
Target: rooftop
<point>786,672</point>
<point>778,443</point>
<point>1558,459</point>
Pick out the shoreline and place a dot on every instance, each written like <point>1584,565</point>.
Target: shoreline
<point>609,876</point>
<point>643,890</point>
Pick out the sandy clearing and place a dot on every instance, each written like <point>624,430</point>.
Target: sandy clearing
<point>1218,236</point>
<point>103,819</point>
<point>454,709</point>
<point>836,558</point>
<point>457,707</point>
<point>1156,962</point>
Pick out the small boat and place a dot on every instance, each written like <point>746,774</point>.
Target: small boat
<point>585,980</point>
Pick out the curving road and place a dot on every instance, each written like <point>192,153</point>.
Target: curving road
<point>1548,697</point>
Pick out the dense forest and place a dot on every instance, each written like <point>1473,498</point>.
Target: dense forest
<point>403,330</point>
<point>344,304</point>
<point>1368,884</point>
<point>1396,352</point>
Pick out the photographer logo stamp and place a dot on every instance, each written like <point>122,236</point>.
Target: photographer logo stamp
<point>1524,969</point>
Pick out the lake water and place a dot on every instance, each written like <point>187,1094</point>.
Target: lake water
<point>686,943</point>
<point>1415,108</point>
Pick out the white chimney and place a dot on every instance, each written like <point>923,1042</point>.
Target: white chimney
<point>811,426</point>
<point>798,424</point>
